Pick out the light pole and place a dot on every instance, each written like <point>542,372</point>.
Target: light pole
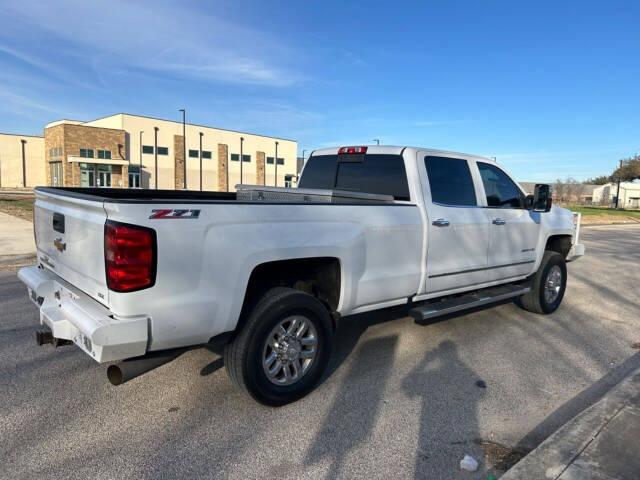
<point>155,153</point>
<point>241,158</point>
<point>377,140</point>
<point>184,148</point>
<point>201,134</point>
<point>24,167</point>
<point>140,162</point>
<point>275,161</point>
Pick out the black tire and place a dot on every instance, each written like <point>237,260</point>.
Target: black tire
<point>243,356</point>
<point>535,300</point>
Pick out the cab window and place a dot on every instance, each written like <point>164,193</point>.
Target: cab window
<point>500,190</point>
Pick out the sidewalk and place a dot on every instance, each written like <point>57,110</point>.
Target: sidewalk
<point>16,238</point>
<point>601,443</point>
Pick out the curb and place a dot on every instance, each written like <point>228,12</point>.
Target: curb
<point>18,259</point>
<point>557,453</point>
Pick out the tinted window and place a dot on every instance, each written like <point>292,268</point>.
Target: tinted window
<point>163,151</point>
<point>270,160</point>
<point>235,157</point>
<point>498,187</point>
<point>206,154</point>
<point>450,181</point>
<point>194,154</point>
<point>246,158</point>
<point>380,174</point>
<point>147,149</point>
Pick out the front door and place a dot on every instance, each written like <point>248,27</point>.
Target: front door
<point>457,228</point>
<point>55,171</point>
<point>104,175</point>
<point>87,175</point>
<point>514,230</point>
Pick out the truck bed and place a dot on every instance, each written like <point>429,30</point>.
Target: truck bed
<point>246,194</point>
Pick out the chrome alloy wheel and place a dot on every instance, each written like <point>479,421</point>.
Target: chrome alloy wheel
<point>552,284</point>
<point>290,350</point>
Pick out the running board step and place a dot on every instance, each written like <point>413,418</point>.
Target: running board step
<point>465,302</point>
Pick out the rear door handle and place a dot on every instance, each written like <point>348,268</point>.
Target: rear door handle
<point>499,221</point>
<point>441,222</point>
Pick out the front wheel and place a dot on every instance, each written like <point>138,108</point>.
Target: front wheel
<point>283,348</point>
<point>547,285</point>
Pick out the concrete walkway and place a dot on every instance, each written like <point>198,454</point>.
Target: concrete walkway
<point>16,236</point>
<point>601,443</point>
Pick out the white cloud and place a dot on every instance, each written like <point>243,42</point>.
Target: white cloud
<point>174,38</point>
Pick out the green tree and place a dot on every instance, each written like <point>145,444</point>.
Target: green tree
<point>629,169</point>
<point>601,180</point>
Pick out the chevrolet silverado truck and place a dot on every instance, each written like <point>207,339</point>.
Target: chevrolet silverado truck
<point>138,276</point>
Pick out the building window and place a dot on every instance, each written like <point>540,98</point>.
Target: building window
<point>270,160</point>
<point>51,152</point>
<point>134,176</point>
<point>280,161</point>
<point>206,154</point>
<point>147,149</point>
<point>246,158</point>
<point>193,153</point>
<point>58,151</point>
<point>163,151</point>
<point>86,152</point>
<point>235,157</point>
<point>106,154</point>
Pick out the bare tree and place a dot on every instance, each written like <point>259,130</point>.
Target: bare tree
<point>559,190</point>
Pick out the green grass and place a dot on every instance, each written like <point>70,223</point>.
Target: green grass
<point>604,211</point>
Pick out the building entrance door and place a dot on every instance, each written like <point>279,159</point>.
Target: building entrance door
<point>104,175</point>
<point>55,170</point>
<point>87,175</point>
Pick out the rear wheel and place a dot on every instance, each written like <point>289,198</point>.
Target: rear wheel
<point>283,348</point>
<point>547,285</point>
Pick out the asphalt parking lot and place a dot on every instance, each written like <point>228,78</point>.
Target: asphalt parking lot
<point>399,399</point>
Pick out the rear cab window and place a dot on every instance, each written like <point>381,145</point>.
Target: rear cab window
<point>450,181</point>
<point>380,174</point>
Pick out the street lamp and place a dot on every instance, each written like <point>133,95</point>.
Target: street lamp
<point>140,177</point>
<point>184,148</point>
<point>24,167</point>
<point>377,140</point>
<point>201,134</point>
<point>275,161</point>
<point>241,158</point>
<point>155,153</point>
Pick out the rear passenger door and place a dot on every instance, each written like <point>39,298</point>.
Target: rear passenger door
<point>457,227</point>
<point>514,230</point>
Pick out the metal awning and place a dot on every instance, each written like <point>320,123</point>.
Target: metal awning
<point>99,161</point>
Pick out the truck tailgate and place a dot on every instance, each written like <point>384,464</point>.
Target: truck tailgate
<point>70,241</point>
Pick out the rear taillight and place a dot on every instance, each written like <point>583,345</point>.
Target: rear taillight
<point>344,150</point>
<point>130,256</point>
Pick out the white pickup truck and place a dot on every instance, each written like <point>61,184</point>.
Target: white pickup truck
<point>140,275</point>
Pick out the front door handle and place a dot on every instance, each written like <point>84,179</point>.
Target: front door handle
<point>441,222</point>
<point>499,221</point>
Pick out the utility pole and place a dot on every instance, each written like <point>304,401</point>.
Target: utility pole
<point>184,148</point>
<point>155,153</point>
<point>275,161</point>
<point>24,166</point>
<point>201,134</point>
<point>618,192</point>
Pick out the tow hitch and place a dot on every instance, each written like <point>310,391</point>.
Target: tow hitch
<point>45,336</point>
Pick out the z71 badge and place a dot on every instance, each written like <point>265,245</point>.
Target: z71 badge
<point>177,213</point>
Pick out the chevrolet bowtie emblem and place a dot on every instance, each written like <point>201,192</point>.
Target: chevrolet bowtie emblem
<point>59,243</point>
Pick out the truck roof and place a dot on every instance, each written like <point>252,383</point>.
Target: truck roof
<point>397,150</point>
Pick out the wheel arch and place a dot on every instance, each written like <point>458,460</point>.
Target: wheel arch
<point>320,277</point>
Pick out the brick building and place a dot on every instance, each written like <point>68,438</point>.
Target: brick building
<point>126,150</point>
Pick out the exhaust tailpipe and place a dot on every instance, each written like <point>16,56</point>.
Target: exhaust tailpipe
<point>128,369</point>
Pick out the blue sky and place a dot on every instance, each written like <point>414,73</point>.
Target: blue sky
<point>552,89</point>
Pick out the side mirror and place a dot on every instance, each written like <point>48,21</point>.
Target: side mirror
<point>542,198</point>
